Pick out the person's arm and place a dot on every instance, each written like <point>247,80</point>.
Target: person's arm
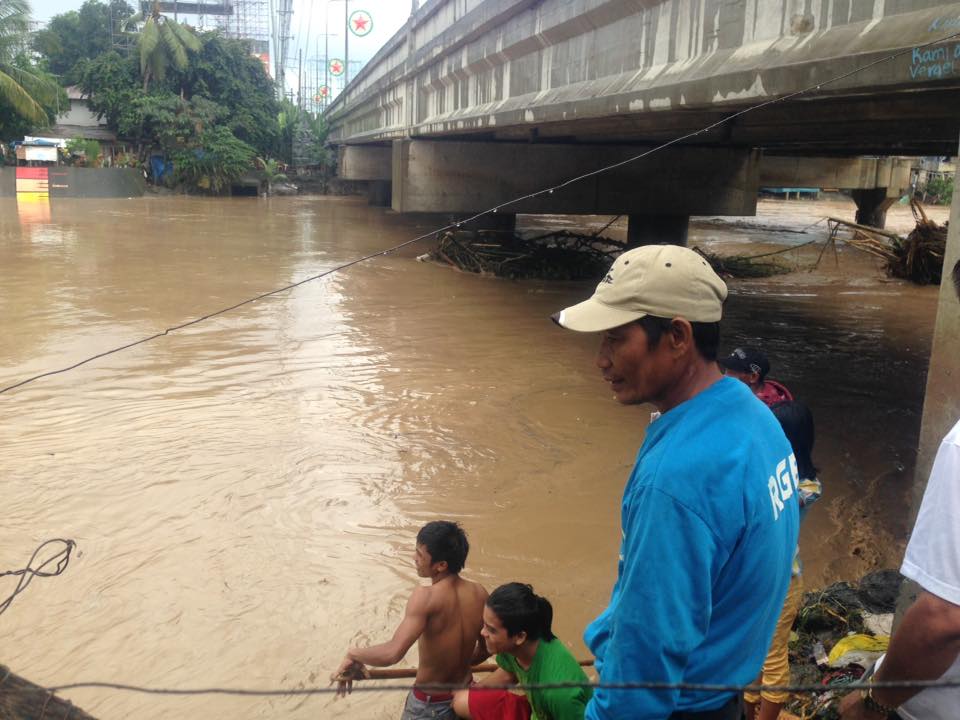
<point>391,652</point>
<point>663,609</point>
<point>499,677</point>
<point>480,652</point>
<point>925,645</point>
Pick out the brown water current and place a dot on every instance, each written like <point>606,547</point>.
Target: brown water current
<point>245,493</point>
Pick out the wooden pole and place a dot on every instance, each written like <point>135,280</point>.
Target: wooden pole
<point>402,673</point>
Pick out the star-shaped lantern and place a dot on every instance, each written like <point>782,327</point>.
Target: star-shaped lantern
<point>360,23</point>
<point>336,67</point>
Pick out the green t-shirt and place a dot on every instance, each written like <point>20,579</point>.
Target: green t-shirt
<point>553,663</point>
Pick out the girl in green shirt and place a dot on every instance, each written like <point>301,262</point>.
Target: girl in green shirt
<point>516,627</point>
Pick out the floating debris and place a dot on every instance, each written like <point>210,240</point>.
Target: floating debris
<point>746,266</point>
<point>834,639</point>
<point>559,255</point>
<point>917,257</point>
<point>565,255</point>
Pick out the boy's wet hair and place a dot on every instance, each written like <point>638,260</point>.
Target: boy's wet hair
<point>522,610</point>
<point>445,541</point>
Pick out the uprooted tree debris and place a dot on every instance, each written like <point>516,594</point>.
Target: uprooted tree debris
<point>565,255</point>
<point>558,255</point>
<point>918,257</point>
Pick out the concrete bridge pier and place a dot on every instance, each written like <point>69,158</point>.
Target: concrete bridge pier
<point>872,206</point>
<point>657,229</point>
<point>662,190</point>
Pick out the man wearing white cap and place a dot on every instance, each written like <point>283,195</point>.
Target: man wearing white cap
<point>709,518</point>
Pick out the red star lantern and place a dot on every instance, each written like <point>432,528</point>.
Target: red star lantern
<point>336,67</point>
<point>360,23</point>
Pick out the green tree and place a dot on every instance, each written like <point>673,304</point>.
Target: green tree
<point>28,95</point>
<point>271,171</point>
<point>218,159</point>
<point>225,72</point>
<point>84,34</point>
<point>163,43</point>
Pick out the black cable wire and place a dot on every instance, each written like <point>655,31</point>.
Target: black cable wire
<point>496,208</point>
<point>27,574</point>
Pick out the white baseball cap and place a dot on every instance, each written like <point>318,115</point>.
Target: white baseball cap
<point>661,280</point>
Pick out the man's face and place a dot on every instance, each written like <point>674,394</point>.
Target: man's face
<point>636,372</point>
<point>423,561</point>
<point>495,634</point>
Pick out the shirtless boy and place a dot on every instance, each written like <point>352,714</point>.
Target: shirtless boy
<point>445,618</point>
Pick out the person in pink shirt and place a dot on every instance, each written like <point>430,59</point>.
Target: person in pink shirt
<point>751,366</point>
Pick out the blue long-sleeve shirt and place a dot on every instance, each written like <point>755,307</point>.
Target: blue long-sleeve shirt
<point>709,521</point>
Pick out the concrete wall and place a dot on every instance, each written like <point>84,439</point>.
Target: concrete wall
<point>83,182</point>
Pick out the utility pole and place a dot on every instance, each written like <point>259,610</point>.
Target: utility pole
<point>300,81</point>
<point>346,43</point>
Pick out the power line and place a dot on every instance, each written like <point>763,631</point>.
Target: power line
<point>546,191</point>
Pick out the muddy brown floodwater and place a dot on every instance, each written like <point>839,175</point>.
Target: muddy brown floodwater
<point>245,493</point>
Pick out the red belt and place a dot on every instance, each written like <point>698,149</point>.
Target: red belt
<point>431,698</point>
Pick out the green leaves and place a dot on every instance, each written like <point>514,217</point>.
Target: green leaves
<point>218,159</point>
<point>28,96</point>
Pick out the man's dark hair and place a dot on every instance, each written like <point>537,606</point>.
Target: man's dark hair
<point>706,336</point>
<point>956,278</point>
<point>445,541</point>
<point>522,610</point>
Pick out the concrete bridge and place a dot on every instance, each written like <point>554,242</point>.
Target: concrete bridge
<point>477,101</point>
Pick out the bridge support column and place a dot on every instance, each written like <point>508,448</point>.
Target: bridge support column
<point>469,177</point>
<point>657,229</point>
<point>378,193</point>
<point>872,206</point>
<point>500,222</point>
<point>364,162</point>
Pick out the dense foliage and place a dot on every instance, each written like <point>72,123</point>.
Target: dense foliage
<point>223,84</point>
<point>214,161</point>
<point>80,35</point>
<point>202,100</point>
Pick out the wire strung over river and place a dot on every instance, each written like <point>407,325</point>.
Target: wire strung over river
<point>496,208</point>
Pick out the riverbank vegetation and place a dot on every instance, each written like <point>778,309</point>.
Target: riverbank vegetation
<point>199,100</point>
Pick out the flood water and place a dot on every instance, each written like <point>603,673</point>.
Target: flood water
<point>245,493</point>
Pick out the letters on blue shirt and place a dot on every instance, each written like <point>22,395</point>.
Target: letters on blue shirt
<point>710,521</point>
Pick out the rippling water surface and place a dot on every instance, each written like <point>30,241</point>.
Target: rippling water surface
<point>244,493</point>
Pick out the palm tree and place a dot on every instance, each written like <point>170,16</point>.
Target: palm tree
<point>22,89</point>
<point>163,42</point>
<point>271,171</point>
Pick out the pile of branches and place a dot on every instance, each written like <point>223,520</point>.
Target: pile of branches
<point>744,266</point>
<point>558,255</point>
<point>565,255</point>
<point>918,257</point>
